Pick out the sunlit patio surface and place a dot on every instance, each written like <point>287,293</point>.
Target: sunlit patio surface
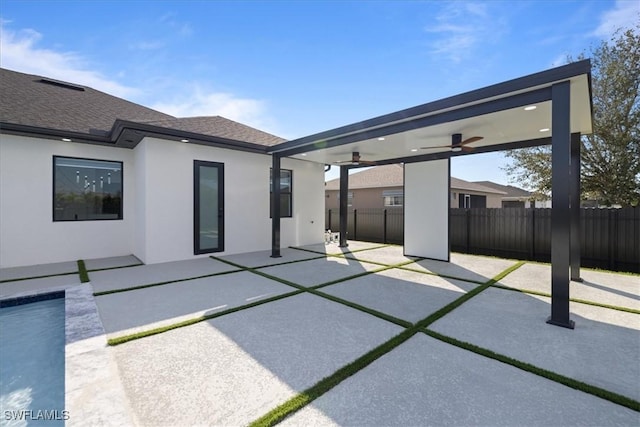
<point>225,340</point>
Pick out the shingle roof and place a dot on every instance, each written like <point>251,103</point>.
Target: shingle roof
<point>221,127</point>
<point>41,102</point>
<point>509,189</point>
<point>36,101</point>
<point>392,176</point>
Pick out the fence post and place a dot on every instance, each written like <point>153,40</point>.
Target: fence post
<point>384,226</point>
<point>355,224</point>
<point>328,226</point>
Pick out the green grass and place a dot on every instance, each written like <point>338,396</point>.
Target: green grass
<point>569,382</point>
<point>312,393</point>
<point>151,285</point>
<point>464,298</point>
<point>126,338</point>
<point>82,271</point>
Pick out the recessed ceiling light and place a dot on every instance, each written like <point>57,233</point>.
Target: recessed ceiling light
<point>456,149</point>
<point>304,154</point>
<point>414,150</point>
<point>381,138</point>
<point>544,130</point>
<point>66,139</point>
<point>184,140</point>
<point>530,108</point>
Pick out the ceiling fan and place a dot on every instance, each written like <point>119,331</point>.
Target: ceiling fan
<point>457,143</point>
<point>355,160</point>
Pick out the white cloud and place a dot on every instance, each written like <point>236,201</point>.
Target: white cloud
<point>625,14</point>
<point>460,27</point>
<point>19,52</point>
<point>199,101</point>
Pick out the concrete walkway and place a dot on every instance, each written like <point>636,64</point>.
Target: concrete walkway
<point>241,334</point>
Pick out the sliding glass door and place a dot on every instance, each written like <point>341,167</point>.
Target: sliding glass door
<point>208,209</point>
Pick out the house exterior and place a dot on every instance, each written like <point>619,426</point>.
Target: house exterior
<point>382,187</point>
<point>84,174</point>
<point>516,197</point>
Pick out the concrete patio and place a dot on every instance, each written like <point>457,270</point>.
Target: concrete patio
<point>225,340</point>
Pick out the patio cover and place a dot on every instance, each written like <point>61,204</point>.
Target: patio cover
<point>498,113</point>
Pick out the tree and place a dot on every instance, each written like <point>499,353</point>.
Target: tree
<point>611,155</point>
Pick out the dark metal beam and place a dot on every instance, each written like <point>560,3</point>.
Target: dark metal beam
<point>487,107</point>
<point>575,207</point>
<point>344,194</point>
<point>560,212</point>
<point>275,206</point>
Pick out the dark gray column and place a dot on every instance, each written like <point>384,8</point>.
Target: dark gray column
<point>275,206</point>
<point>575,207</point>
<point>344,194</point>
<point>560,212</point>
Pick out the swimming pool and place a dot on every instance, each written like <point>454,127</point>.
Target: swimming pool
<point>32,361</point>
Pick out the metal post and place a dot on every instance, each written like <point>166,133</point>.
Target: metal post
<point>344,194</point>
<point>575,207</point>
<point>560,212</point>
<point>275,206</point>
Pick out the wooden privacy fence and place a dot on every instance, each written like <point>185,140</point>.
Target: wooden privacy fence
<point>610,238</point>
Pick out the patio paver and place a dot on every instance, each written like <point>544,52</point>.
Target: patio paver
<point>262,258</point>
<point>44,284</point>
<point>598,286</point>
<point>386,255</point>
<point>111,262</point>
<point>232,369</point>
<point>334,249</point>
<point>602,350</point>
<point>466,267</point>
<point>120,278</point>
<point>428,382</point>
<point>404,294</point>
<point>128,312</point>
<point>14,273</point>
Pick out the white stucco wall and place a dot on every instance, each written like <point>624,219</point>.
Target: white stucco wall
<point>426,210</point>
<point>28,234</point>
<point>167,187</point>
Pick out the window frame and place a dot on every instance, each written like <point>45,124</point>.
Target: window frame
<point>53,189</point>
<point>392,198</point>
<point>282,193</point>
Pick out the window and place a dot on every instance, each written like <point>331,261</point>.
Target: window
<point>393,197</point>
<point>349,198</point>
<point>286,193</point>
<point>86,189</point>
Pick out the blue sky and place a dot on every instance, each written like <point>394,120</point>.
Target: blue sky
<point>294,68</point>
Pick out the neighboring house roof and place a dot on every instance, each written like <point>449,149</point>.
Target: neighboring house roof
<point>31,102</point>
<point>510,190</point>
<point>392,176</point>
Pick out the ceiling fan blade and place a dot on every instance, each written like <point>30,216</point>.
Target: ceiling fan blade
<point>471,140</point>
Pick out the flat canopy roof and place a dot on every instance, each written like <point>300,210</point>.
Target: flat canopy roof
<point>496,113</point>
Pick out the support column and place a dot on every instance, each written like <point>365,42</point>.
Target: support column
<point>560,211</point>
<point>275,206</point>
<point>344,194</point>
<point>575,207</point>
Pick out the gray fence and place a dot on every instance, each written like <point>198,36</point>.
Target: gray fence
<point>610,238</point>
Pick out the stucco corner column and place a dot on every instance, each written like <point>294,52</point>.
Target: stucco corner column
<point>560,204</point>
<point>344,194</point>
<point>275,206</point>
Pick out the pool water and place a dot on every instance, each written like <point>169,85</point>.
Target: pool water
<point>32,339</point>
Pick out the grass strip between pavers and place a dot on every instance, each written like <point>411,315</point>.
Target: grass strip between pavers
<point>142,334</point>
<point>464,298</point>
<point>569,382</point>
<point>82,271</point>
<point>168,282</point>
<point>578,300</point>
<point>312,393</point>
